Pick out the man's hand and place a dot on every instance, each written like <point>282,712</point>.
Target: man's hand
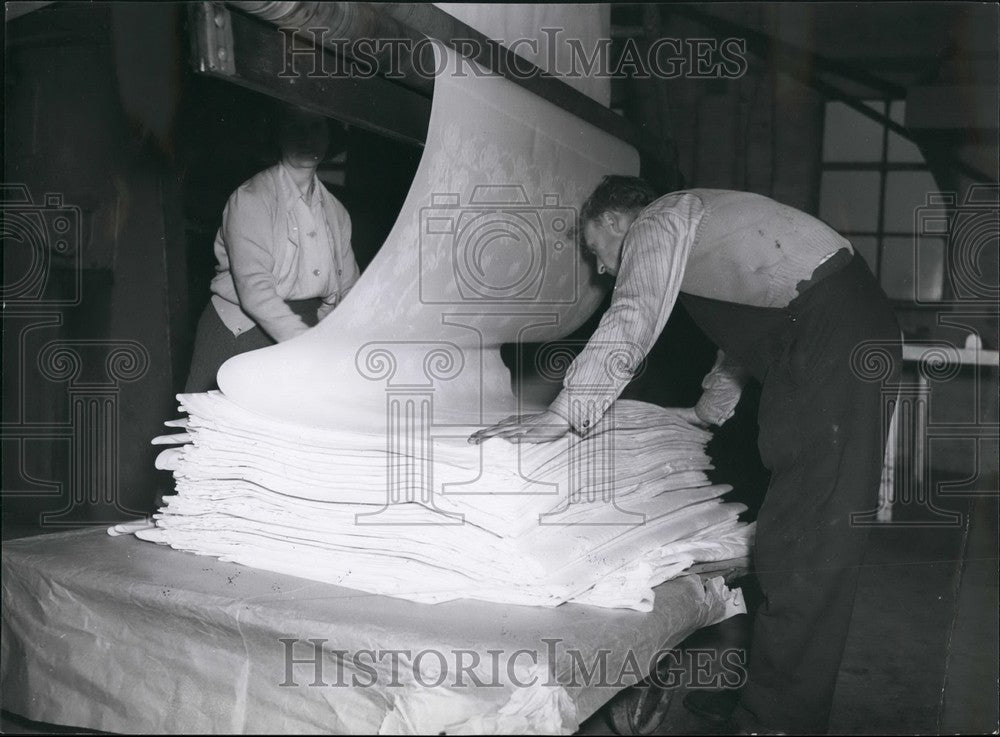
<point>691,416</point>
<point>541,428</point>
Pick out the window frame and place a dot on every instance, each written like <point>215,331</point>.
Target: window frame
<point>884,167</point>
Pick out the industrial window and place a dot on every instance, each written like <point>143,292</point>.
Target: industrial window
<point>874,184</point>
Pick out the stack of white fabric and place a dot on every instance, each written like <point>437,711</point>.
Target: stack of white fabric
<point>599,520</point>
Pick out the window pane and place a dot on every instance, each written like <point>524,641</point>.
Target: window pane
<point>905,191</point>
<point>850,136</point>
<point>913,269</point>
<point>849,200</point>
<point>901,150</point>
<point>867,246</point>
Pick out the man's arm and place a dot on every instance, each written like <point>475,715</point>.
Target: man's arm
<point>722,386</point>
<point>246,231</point>
<point>654,258</point>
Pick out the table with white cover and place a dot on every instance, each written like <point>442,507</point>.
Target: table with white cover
<point>115,634</point>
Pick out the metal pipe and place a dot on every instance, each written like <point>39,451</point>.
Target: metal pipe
<point>340,26</point>
<point>433,22</point>
<point>413,23</point>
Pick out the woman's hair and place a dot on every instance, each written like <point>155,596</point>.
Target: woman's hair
<point>619,194</point>
<point>283,115</point>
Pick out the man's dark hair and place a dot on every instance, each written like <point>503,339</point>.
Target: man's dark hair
<point>619,194</point>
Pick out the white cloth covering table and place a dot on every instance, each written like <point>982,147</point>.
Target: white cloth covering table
<point>115,634</point>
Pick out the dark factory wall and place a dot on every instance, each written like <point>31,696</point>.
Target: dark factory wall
<point>87,345</point>
<point>107,122</point>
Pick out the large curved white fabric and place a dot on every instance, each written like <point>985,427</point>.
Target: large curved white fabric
<point>480,255</point>
<point>342,455</point>
<point>574,32</point>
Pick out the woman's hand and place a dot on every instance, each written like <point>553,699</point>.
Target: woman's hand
<point>543,427</point>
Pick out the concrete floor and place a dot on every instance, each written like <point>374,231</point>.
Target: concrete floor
<point>922,656</point>
<point>923,650</point>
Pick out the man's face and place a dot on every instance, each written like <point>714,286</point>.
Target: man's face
<point>603,238</point>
